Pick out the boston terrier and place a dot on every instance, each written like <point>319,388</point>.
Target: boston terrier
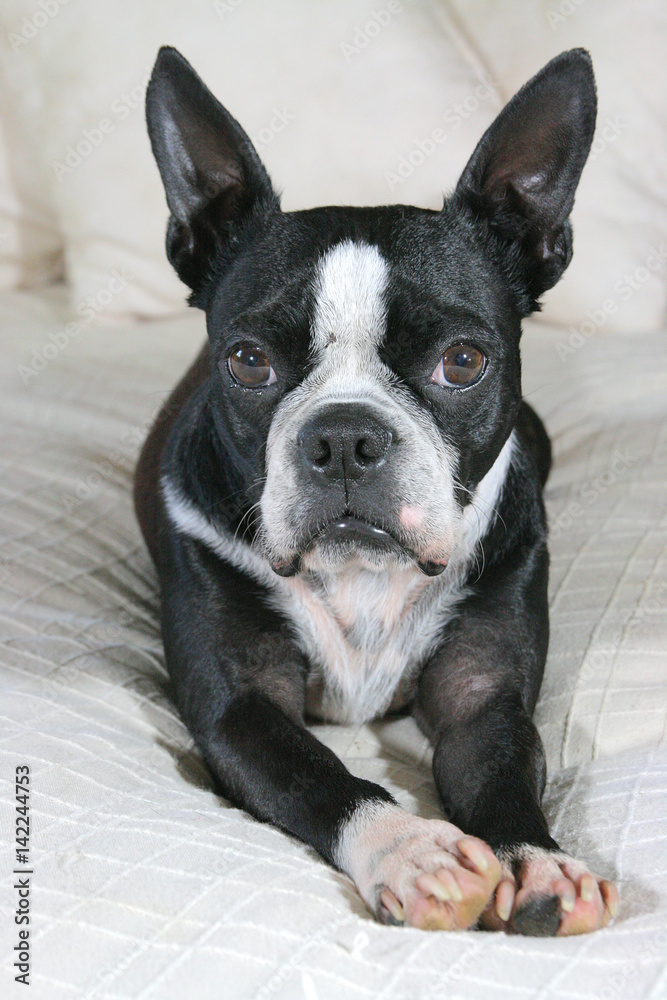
<point>343,500</point>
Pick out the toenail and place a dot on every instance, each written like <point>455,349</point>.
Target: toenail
<point>393,906</point>
<point>448,879</point>
<point>433,886</point>
<point>567,902</point>
<point>587,889</point>
<point>476,854</point>
<point>504,900</point>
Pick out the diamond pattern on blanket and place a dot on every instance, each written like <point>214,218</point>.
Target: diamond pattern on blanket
<point>147,885</point>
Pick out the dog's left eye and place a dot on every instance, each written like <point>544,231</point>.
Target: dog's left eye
<point>461,365</point>
<point>249,366</point>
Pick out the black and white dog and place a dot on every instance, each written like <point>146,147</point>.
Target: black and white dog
<point>343,501</point>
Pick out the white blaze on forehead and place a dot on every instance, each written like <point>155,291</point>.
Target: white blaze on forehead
<point>350,311</point>
<point>349,325</point>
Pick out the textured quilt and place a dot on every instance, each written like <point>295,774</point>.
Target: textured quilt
<point>144,885</point>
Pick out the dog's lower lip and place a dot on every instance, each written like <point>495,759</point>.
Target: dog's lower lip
<point>354,528</point>
<point>287,568</point>
<point>350,528</point>
<point>429,568</point>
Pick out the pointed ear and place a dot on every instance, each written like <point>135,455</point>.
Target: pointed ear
<point>211,173</point>
<point>523,175</point>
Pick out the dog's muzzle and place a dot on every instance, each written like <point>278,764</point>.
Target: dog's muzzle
<point>349,448</point>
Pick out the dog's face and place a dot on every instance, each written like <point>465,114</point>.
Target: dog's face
<point>365,362</point>
<point>369,364</point>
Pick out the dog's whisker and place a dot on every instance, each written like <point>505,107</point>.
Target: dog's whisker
<point>251,510</point>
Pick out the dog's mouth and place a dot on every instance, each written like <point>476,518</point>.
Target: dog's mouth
<point>355,533</point>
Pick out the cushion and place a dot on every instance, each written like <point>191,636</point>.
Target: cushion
<point>30,242</point>
<point>618,279</point>
<point>350,103</point>
<point>353,102</point>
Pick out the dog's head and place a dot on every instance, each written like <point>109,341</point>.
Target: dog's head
<point>365,369</point>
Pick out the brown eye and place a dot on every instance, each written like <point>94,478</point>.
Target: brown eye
<point>461,365</point>
<point>250,366</point>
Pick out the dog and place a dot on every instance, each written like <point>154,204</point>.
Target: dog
<point>343,501</point>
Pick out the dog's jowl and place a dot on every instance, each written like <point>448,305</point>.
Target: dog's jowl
<point>343,500</point>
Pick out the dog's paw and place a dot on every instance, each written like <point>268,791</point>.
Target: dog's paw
<point>408,870</point>
<point>547,893</point>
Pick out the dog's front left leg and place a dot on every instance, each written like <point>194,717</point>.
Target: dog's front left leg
<point>474,702</point>
<point>239,684</point>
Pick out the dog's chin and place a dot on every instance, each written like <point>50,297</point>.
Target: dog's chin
<point>333,557</point>
<point>349,542</point>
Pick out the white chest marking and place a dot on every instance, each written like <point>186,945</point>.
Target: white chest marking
<point>364,633</point>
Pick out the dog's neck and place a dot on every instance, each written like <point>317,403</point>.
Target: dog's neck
<point>368,606</point>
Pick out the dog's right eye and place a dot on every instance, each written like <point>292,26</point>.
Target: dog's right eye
<point>249,366</point>
<point>461,366</point>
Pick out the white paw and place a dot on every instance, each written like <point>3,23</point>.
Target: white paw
<point>546,893</point>
<point>421,872</point>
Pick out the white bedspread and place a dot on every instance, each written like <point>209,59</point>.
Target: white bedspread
<point>146,885</point>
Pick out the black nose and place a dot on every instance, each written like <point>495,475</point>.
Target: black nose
<point>344,442</point>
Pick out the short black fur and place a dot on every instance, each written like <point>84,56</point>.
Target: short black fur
<point>477,267</point>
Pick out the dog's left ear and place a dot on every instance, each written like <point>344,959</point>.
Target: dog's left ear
<point>212,176</point>
<point>523,175</point>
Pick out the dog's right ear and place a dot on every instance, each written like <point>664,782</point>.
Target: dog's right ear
<point>211,173</point>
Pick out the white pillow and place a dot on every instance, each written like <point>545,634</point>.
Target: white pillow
<point>30,244</point>
<point>618,277</point>
<point>357,102</point>
<point>342,98</point>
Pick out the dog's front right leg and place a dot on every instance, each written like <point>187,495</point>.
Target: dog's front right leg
<point>239,683</point>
